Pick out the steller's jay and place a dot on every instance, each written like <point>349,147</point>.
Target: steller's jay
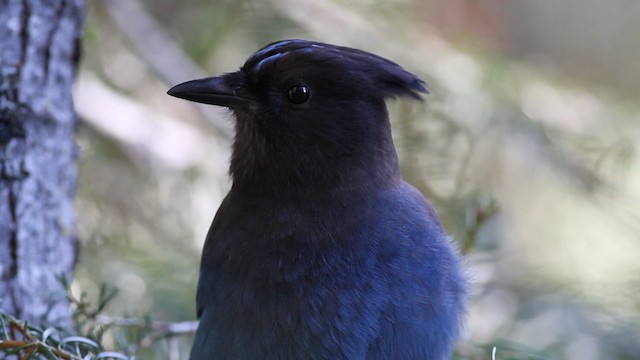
<point>320,250</point>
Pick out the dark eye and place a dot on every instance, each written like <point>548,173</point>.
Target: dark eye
<point>298,94</point>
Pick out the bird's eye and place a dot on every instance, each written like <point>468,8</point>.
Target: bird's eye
<point>298,94</point>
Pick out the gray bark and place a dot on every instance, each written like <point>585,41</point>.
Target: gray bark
<point>39,50</point>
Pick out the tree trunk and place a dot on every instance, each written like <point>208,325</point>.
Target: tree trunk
<point>39,50</point>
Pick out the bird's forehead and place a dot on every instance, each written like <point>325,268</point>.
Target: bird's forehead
<point>271,53</point>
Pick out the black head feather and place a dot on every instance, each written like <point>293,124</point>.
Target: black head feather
<point>309,112</point>
<point>387,78</point>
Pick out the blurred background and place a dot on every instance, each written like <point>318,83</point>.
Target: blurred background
<point>527,146</point>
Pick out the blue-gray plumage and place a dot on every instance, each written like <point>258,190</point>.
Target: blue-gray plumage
<point>320,250</point>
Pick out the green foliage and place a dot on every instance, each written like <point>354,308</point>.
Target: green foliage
<point>91,330</point>
<point>35,342</point>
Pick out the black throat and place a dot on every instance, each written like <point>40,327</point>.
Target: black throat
<point>270,163</point>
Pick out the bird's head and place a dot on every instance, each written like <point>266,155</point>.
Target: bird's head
<point>308,111</point>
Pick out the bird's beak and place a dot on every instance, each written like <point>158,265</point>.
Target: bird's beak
<point>219,90</point>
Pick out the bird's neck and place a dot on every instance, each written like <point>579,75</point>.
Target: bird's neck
<point>261,169</point>
<point>305,178</point>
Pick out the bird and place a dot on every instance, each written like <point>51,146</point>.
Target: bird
<point>320,250</point>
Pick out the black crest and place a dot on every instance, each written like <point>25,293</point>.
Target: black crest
<point>386,76</point>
